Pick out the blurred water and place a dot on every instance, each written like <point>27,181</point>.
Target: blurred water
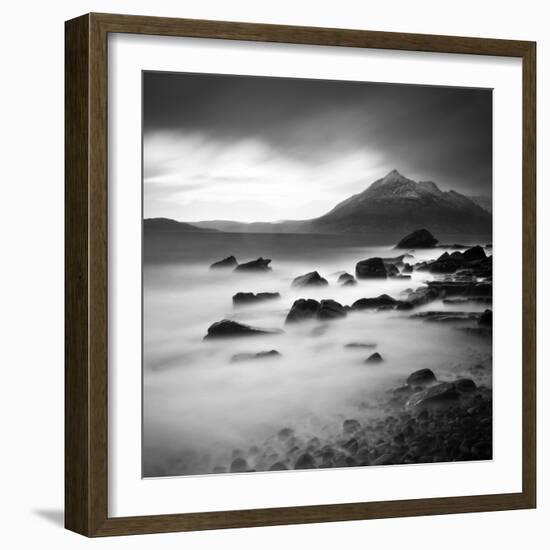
<point>198,406</point>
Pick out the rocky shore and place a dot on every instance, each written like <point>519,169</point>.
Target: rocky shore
<point>429,417</point>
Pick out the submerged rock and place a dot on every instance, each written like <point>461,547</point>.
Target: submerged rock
<point>374,358</point>
<point>370,303</point>
<point>420,296</point>
<point>278,466</point>
<point>251,356</point>
<point>310,279</point>
<point>446,316</point>
<point>351,426</point>
<point>230,261</point>
<point>242,298</point>
<point>343,277</point>
<point>349,282</point>
<point>231,329</point>
<point>422,377</point>
<point>360,345</point>
<point>261,264</point>
<point>421,238</point>
<point>372,268</point>
<point>465,385</point>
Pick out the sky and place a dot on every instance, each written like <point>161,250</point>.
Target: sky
<point>265,149</point>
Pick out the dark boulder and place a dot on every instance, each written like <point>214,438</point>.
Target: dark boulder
<point>239,465</point>
<point>383,301</point>
<point>330,309</point>
<point>251,356</point>
<point>486,319</point>
<point>230,261</point>
<point>474,253</point>
<point>310,279</point>
<point>422,377</point>
<point>304,462</point>
<point>407,268</point>
<point>303,309</point>
<point>465,385</point>
<point>232,329</point>
<point>260,264</point>
<point>245,298</point>
<point>374,358</point>
<point>372,268</point>
<point>439,396</point>
<point>461,288</point>
<point>349,282</point>
<point>421,238</point>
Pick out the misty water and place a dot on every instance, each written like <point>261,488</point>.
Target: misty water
<point>200,409</point>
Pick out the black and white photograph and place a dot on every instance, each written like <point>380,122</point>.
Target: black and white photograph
<point>316,275</point>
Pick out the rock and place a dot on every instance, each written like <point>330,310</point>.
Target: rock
<point>278,466</point>
<point>446,316</point>
<point>359,345</point>
<point>374,358</point>
<point>384,460</point>
<point>351,446</point>
<point>349,282</point>
<point>285,433</point>
<point>486,319</point>
<point>351,426</point>
<point>230,261</point>
<point>245,298</point>
<point>231,329</point>
<point>392,270</point>
<point>421,238</point>
<point>251,356</point>
<point>407,268</point>
<point>439,396</point>
<point>344,277</point>
<point>310,279</point>
<point>304,462</point>
<point>260,264</point>
<point>330,309</point>
<point>420,296</point>
<point>303,309</point>
<point>238,465</point>
<point>397,260</point>
<point>474,253</point>
<point>370,303</point>
<point>465,385</point>
<point>422,377</point>
<point>461,288</point>
<point>372,268</point>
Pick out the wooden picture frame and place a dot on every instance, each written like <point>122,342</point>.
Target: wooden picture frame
<point>86,294</point>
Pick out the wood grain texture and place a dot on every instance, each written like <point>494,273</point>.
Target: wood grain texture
<point>86,236</point>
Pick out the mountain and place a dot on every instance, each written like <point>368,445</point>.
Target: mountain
<point>485,202</point>
<point>166,224</point>
<point>396,205</point>
<point>388,209</point>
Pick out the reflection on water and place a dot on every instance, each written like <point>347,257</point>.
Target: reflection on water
<point>199,406</point>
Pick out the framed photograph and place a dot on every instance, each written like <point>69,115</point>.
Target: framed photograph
<point>300,275</point>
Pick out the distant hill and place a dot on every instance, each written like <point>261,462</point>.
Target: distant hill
<point>485,202</point>
<point>167,224</point>
<point>389,208</point>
